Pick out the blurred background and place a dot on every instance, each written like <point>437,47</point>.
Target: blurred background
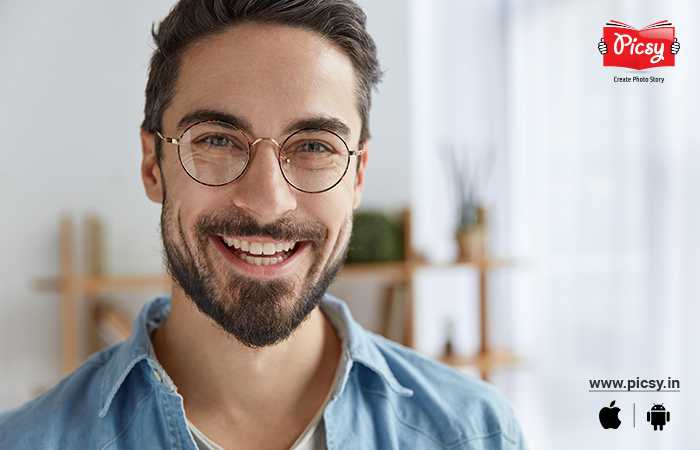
<point>579,194</point>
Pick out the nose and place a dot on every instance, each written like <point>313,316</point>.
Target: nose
<point>262,190</point>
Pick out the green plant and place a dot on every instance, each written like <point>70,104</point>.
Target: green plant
<point>376,237</point>
<point>469,173</point>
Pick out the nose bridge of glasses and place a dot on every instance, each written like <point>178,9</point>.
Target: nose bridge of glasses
<point>260,139</point>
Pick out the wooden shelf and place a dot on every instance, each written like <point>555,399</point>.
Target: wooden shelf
<point>391,271</point>
<point>396,271</point>
<point>94,283</point>
<point>103,284</point>
<point>489,263</point>
<point>485,362</point>
<point>401,270</point>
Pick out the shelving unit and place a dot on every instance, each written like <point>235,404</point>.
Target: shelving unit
<point>101,318</point>
<point>90,286</point>
<point>488,358</point>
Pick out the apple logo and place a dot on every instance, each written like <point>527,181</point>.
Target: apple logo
<point>608,417</point>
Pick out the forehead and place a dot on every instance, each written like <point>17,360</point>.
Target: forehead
<point>267,75</point>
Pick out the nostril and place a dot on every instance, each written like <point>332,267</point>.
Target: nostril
<point>264,191</point>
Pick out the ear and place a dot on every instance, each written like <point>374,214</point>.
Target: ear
<point>150,171</point>
<point>360,177</point>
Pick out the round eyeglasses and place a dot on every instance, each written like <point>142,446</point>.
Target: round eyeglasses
<point>215,153</point>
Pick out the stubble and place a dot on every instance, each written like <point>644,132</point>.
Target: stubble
<point>258,313</point>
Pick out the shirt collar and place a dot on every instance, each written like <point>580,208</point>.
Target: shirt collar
<point>358,344</point>
<point>138,347</point>
<point>357,347</point>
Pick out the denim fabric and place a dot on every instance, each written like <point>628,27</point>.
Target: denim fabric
<point>390,397</point>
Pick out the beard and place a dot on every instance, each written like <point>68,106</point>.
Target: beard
<point>258,313</point>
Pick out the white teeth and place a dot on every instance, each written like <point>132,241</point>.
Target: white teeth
<point>262,261</point>
<point>259,248</point>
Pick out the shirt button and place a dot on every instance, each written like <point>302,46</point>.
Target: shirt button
<point>155,372</point>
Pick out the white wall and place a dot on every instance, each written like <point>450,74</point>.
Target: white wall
<point>72,75</point>
<point>387,185</point>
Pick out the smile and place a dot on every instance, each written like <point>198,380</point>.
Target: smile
<point>259,253</point>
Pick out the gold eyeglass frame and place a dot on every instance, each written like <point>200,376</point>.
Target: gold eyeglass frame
<point>351,153</point>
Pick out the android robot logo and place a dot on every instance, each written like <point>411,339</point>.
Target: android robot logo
<point>658,416</point>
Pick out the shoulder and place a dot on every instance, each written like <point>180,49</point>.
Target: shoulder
<point>63,415</point>
<point>405,400</point>
<point>450,406</point>
<point>97,404</point>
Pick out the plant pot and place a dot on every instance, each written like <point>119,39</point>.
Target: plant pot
<point>472,243</point>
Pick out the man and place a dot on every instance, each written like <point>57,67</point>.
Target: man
<point>255,142</point>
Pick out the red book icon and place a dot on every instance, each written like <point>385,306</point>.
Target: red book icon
<point>639,49</point>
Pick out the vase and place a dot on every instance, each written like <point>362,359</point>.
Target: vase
<point>472,241</point>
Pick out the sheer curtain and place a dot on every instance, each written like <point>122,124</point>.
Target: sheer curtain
<point>596,191</point>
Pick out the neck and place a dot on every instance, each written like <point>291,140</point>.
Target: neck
<point>218,377</point>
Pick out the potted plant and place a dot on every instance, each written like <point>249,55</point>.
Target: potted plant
<point>468,180</point>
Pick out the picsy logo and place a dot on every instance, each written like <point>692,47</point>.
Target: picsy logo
<point>652,46</point>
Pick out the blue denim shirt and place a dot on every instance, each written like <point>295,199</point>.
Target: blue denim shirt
<point>390,397</point>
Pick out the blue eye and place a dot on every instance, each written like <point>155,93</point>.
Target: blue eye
<point>219,141</point>
<point>313,147</point>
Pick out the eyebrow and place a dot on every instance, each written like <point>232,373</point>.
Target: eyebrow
<point>333,124</point>
<point>202,115</point>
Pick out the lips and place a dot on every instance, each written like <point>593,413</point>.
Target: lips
<point>259,253</point>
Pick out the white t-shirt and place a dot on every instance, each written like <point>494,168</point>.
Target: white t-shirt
<point>312,438</point>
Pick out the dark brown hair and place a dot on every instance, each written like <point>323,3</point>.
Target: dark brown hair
<point>340,21</point>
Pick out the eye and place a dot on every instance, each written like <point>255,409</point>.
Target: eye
<point>217,140</point>
<point>314,147</point>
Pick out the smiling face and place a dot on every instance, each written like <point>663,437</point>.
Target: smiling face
<point>256,255</point>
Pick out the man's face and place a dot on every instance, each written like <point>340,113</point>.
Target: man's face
<point>270,81</point>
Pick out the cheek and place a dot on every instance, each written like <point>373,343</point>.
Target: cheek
<point>334,210</point>
<point>186,199</point>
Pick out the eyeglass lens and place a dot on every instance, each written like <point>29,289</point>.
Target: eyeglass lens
<point>215,153</point>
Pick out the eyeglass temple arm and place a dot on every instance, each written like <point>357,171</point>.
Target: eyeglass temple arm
<point>357,152</point>
<point>174,141</point>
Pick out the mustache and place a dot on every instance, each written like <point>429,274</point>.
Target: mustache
<point>240,224</point>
